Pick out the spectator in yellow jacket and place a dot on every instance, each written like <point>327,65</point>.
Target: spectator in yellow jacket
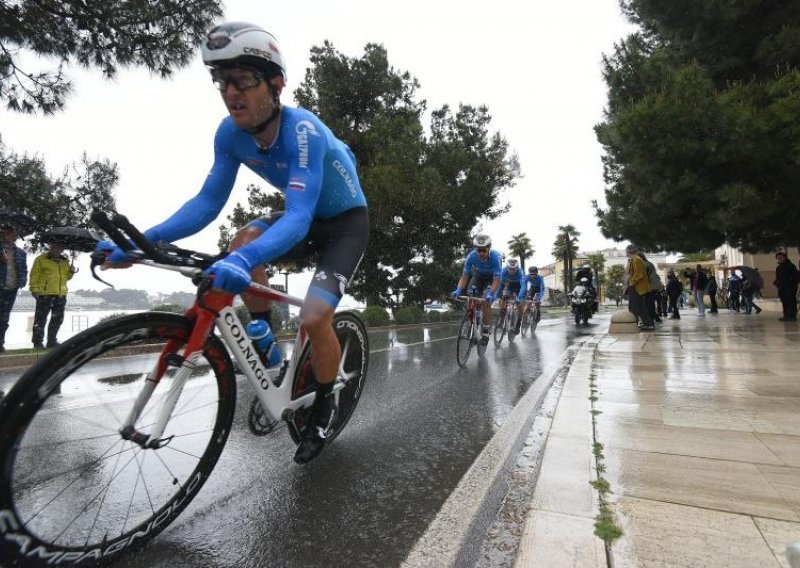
<point>48,280</point>
<point>638,288</point>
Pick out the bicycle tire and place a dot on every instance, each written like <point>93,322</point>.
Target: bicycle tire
<point>56,510</point>
<point>500,326</point>
<point>512,323</point>
<point>534,319</point>
<point>350,330</point>
<point>464,340</point>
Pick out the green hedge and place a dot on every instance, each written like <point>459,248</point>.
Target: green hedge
<point>409,314</point>
<point>171,308</point>
<point>375,316</point>
<point>433,316</point>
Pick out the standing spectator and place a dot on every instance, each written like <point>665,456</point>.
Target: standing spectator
<point>656,287</point>
<point>13,276</point>
<point>674,291</point>
<point>698,283</point>
<point>786,280</point>
<point>49,276</point>
<point>734,291</point>
<point>711,289</point>
<point>638,287</point>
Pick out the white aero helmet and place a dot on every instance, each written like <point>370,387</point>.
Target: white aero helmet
<point>512,263</point>
<point>240,43</point>
<point>481,241</point>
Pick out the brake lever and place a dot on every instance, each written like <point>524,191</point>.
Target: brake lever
<point>98,259</point>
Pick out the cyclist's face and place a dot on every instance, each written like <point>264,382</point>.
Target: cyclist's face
<point>246,94</point>
<point>483,252</point>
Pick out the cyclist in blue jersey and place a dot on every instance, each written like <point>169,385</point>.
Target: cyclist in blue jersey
<point>510,281</point>
<point>326,212</point>
<point>532,289</point>
<point>482,269</point>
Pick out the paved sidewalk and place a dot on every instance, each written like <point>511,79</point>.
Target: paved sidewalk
<point>699,423</point>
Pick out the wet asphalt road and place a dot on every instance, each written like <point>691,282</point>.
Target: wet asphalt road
<point>367,499</point>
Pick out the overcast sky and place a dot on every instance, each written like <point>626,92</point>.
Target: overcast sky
<point>536,65</point>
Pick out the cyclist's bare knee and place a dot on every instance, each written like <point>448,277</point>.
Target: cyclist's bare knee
<point>317,316</point>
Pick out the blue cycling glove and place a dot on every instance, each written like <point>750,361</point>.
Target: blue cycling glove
<point>232,273</point>
<point>490,297</point>
<point>456,293</point>
<point>117,256</point>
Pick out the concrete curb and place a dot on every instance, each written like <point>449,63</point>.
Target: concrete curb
<point>456,535</point>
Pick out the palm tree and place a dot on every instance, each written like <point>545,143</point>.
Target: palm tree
<point>520,247</point>
<point>565,248</point>
<point>598,263</point>
<point>615,278</point>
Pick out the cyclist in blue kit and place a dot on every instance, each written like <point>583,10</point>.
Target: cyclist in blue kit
<point>326,212</point>
<point>482,269</point>
<point>532,289</point>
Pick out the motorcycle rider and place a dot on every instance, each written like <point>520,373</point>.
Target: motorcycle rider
<point>585,271</point>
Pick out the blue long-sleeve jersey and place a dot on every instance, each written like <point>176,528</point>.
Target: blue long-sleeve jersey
<point>534,282</point>
<point>315,170</point>
<point>507,277</point>
<point>492,266</point>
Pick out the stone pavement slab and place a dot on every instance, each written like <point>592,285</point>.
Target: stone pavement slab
<point>699,423</point>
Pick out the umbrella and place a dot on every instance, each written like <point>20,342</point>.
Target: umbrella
<point>73,238</point>
<point>24,224</point>
<point>752,275</point>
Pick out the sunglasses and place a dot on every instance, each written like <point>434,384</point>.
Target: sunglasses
<point>242,80</point>
<point>482,250</point>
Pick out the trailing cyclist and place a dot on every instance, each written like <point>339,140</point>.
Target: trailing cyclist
<point>482,269</point>
<point>532,289</point>
<point>510,279</point>
<point>326,211</point>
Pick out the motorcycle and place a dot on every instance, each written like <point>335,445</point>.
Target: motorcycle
<point>582,302</point>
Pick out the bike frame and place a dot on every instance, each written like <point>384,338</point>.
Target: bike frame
<point>212,309</point>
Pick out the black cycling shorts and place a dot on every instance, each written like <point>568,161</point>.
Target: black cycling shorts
<point>512,288</point>
<point>338,244</point>
<point>480,282</point>
<point>531,292</point>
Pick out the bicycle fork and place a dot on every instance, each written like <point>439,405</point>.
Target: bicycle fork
<point>185,364</point>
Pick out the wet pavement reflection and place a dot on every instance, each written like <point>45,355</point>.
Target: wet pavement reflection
<point>420,423</point>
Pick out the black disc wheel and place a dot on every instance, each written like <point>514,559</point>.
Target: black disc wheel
<point>354,343</point>
<point>466,329</point>
<point>73,490</point>
<point>500,327</point>
<point>512,324</point>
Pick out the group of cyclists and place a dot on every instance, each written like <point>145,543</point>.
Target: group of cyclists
<point>484,275</point>
<point>326,211</point>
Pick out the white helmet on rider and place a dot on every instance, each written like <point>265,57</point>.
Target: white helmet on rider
<point>238,43</point>
<point>512,263</point>
<point>482,241</point>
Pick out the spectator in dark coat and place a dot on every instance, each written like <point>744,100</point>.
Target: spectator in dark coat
<point>13,276</point>
<point>674,291</point>
<point>711,289</point>
<point>786,280</point>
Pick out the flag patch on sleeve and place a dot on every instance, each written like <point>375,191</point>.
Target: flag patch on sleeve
<point>296,184</point>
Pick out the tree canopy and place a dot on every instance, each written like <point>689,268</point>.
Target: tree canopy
<point>425,192</point>
<point>66,200</point>
<point>104,34</point>
<point>700,128</point>
<point>520,247</point>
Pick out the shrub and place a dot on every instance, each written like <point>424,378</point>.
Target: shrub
<point>171,308</point>
<point>374,316</point>
<point>111,316</point>
<point>434,316</point>
<point>409,314</point>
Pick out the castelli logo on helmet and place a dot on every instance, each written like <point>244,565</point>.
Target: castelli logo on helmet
<point>258,52</point>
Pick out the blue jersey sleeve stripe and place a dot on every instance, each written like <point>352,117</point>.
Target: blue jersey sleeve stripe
<point>322,294</point>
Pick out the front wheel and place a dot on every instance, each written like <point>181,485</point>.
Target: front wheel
<point>464,340</point>
<point>73,490</point>
<point>352,337</point>
<point>512,324</point>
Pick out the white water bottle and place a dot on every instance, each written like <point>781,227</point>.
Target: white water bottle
<point>262,337</point>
